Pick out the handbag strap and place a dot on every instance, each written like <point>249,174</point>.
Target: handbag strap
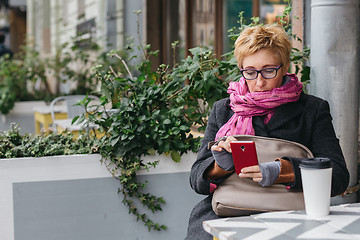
<point>268,149</point>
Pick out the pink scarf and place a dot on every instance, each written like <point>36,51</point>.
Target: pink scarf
<point>246,105</point>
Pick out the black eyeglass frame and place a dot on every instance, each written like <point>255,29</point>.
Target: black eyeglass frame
<point>260,71</point>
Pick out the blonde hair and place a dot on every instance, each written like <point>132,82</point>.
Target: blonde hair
<point>253,39</point>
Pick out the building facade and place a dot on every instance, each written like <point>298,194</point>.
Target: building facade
<point>50,23</point>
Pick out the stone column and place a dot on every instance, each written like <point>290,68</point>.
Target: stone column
<point>335,69</point>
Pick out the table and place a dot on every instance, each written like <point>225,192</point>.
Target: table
<point>42,116</point>
<point>342,223</point>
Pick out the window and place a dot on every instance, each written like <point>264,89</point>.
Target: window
<point>231,9</point>
<point>201,23</point>
<point>165,24</point>
<point>269,9</point>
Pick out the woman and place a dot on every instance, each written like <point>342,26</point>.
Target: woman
<point>267,101</point>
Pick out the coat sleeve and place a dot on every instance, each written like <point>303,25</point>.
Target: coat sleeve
<point>324,143</point>
<point>198,181</point>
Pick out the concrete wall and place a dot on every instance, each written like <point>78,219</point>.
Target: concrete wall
<point>92,209</point>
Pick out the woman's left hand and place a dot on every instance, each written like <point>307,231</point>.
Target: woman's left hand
<point>251,172</point>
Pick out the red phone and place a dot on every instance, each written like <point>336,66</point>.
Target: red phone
<point>244,154</point>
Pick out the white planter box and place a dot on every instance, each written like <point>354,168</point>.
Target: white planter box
<point>16,174</point>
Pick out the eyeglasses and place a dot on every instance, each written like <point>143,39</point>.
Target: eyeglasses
<point>267,73</point>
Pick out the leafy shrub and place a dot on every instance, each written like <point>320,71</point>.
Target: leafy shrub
<point>15,145</point>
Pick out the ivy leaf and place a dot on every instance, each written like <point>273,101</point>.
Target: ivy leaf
<point>75,119</point>
<point>114,141</point>
<point>184,128</point>
<point>175,156</point>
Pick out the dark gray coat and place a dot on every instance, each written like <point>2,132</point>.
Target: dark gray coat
<point>307,121</point>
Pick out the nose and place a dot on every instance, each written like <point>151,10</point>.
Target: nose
<point>260,81</point>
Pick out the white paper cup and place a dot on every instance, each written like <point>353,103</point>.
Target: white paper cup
<point>316,180</point>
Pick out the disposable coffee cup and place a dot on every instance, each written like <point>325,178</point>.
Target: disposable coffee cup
<point>316,181</point>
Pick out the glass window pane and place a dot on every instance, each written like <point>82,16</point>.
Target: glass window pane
<point>204,23</point>
<point>232,8</point>
<point>269,9</point>
<point>182,31</point>
<point>175,29</point>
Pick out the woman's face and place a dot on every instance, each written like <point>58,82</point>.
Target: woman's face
<point>264,58</point>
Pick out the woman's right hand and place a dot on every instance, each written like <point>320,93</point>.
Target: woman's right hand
<point>224,145</point>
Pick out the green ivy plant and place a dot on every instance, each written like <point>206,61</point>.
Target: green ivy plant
<point>146,120</point>
<point>16,145</point>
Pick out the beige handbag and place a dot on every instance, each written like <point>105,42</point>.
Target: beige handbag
<point>237,196</point>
